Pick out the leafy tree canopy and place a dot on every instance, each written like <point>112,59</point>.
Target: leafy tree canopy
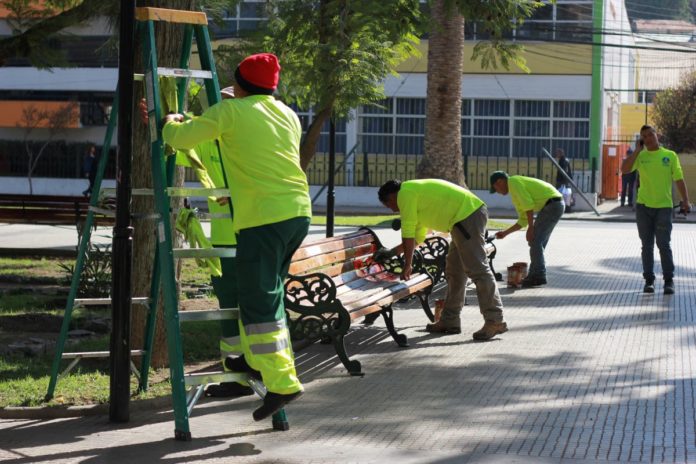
<point>675,115</point>
<point>333,53</point>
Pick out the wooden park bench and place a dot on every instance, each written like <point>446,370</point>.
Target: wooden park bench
<point>335,281</point>
<point>46,209</point>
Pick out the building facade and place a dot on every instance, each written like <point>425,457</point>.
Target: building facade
<point>578,53</point>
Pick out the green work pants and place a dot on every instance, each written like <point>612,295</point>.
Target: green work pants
<point>263,260</point>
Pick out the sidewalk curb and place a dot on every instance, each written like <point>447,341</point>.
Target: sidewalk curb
<point>61,412</point>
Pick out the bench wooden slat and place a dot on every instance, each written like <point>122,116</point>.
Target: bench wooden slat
<point>403,293</point>
<point>318,249</point>
<point>318,262</point>
<point>373,272</point>
<point>319,241</point>
<point>337,269</point>
<point>364,289</point>
<point>397,286</point>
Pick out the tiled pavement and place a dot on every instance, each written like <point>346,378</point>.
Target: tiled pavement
<point>591,370</point>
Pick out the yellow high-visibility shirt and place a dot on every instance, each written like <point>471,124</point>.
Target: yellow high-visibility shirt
<point>529,194</point>
<point>260,145</point>
<point>221,228</point>
<point>657,170</point>
<point>433,204</point>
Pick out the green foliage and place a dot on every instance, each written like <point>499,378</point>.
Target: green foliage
<point>334,53</point>
<point>675,115</point>
<point>497,17</point>
<point>36,25</point>
<point>95,279</point>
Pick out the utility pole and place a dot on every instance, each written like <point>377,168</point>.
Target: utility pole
<point>122,244</point>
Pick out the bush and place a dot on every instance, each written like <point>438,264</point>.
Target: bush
<point>95,280</point>
<point>675,115</point>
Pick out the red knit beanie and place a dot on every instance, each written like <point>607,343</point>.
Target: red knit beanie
<point>258,74</point>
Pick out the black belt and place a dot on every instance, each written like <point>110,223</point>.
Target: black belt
<point>553,200</point>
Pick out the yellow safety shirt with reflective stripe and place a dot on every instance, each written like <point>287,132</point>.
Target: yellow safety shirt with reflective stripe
<point>433,204</point>
<point>657,170</point>
<point>221,228</point>
<point>528,193</point>
<point>259,141</point>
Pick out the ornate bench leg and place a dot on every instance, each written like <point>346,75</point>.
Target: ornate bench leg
<point>423,297</point>
<point>352,366</point>
<point>388,314</point>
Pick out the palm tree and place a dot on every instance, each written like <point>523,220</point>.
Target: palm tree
<point>443,142</point>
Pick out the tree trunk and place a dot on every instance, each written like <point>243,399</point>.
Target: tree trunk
<point>168,38</point>
<point>311,138</point>
<point>443,143</point>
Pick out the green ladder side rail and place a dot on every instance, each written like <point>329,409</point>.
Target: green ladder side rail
<point>195,23</point>
<point>85,239</point>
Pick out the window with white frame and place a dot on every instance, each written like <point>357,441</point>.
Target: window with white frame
<point>393,126</point>
<point>564,20</point>
<point>490,127</point>
<point>306,118</point>
<point>240,20</point>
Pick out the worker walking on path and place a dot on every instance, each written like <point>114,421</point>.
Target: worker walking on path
<point>259,140</point>
<point>657,169</point>
<point>529,196</point>
<point>440,205</point>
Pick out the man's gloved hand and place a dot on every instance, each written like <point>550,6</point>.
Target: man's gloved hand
<point>383,254</point>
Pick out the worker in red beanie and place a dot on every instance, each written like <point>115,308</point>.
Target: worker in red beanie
<point>260,146</point>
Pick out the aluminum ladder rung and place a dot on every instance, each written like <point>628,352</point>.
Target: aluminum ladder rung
<point>178,72</point>
<point>97,354</point>
<point>204,252</point>
<point>78,356</point>
<point>175,192</point>
<point>81,302</point>
<point>204,378</point>
<point>209,315</point>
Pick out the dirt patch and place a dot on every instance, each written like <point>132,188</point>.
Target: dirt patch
<point>38,322</point>
<point>198,304</point>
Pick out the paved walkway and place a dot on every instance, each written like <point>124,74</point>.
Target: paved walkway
<point>592,370</point>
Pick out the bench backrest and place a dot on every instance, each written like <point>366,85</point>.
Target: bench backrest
<point>334,256</point>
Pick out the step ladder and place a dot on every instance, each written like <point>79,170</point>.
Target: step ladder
<point>186,388</point>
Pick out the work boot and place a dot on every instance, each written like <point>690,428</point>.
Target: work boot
<point>239,364</point>
<point>649,287</point>
<point>228,390</point>
<point>490,329</point>
<point>531,281</point>
<point>274,402</point>
<point>439,327</point>
<point>669,287</point>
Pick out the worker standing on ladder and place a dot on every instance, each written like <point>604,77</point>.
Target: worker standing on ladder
<point>260,148</point>
<point>222,235</point>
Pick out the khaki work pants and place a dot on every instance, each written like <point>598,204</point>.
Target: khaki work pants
<point>467,259</point>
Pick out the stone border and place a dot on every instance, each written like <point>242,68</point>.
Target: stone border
<point>60,412</point>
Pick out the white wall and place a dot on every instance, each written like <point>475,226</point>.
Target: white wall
<point>75,79</point>
<point>499,86</point>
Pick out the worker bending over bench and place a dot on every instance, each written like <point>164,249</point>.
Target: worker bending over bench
<point>442,206</point>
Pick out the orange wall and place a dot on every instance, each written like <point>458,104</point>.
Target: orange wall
<point>11,112</point>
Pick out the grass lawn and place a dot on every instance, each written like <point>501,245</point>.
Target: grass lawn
<point>24,380</point>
